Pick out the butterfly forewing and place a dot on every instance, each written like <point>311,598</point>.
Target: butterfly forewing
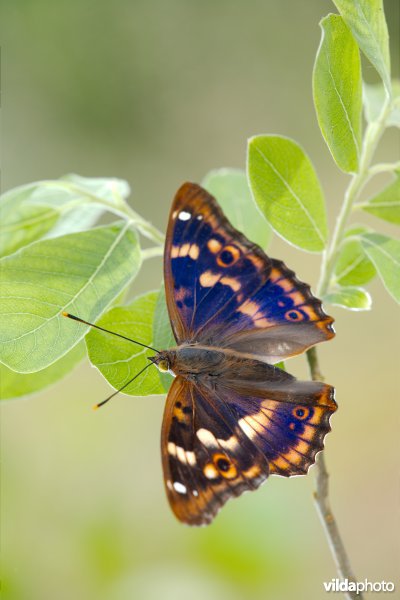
<point>225,291</point>
<point>209,267</point>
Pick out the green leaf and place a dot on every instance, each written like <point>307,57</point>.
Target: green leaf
<point>355,230</point>
<point>120,360</point>
<point>352,298</point>
<point>374,96</point>
<point>22,222</point>
<point>53,208</point>
<point>73,190</point>
<point>353,267</point>
<point>366,19</point>
<point>162,333</point>
<point>386,205</point>
<point>81,218</point>
<point>231,189</point>
<point>287,191</point>
<point>384,252</point>
<point>14,385</point>
<point>80,273</point>
<point>110,189</point>
<point>337,92</point>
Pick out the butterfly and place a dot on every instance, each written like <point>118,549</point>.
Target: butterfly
<point>232,418</point>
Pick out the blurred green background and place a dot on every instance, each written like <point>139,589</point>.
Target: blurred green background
<point>158,92</point>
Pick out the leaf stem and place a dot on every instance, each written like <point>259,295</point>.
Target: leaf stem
<point>146,228</point>
<point>372,136</point>
<point>384,168</point>
<point>152,252</point>
<point>120,208</point>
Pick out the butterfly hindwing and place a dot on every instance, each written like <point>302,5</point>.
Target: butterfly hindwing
<point>206,457</point>
<point>221,440</point>
<point>225,291</point>
<point>287,421</point>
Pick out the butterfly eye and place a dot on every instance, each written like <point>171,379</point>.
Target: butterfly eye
<point>228,256</point>
<point>163,366</point>
<point>301,412</point>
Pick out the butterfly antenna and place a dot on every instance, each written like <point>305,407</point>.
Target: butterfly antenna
<point>96,406</point>
<point>66,314</point>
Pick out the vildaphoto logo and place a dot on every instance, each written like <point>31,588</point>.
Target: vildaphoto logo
<point>344,585</point>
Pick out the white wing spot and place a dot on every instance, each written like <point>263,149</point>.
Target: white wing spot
<point>195,493</point>
<point>230,444</point>
<point>210,471</point>
<point>199,218</point>
<point>184,216</point>
<point>180,454</point>
<point>171,448</point>
<point>248,430</point>
<point>185,457</point>
<point>209,279</point>
<point>191,458</point>
<point>179,487</point>
<point>206,437</point>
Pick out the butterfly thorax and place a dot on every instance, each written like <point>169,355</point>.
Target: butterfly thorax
<point>210,363</point>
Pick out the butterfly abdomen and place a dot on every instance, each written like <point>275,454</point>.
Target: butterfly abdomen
<point>189,360</point>
<point>204,362</point>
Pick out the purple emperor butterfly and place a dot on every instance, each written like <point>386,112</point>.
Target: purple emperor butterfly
<point>231,417</point>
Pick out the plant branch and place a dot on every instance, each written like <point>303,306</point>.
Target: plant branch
<point>321,497</point>
<point>358,181</point>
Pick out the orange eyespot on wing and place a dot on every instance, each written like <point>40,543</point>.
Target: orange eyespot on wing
<point>228,256</point>
<point>301,413</point>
